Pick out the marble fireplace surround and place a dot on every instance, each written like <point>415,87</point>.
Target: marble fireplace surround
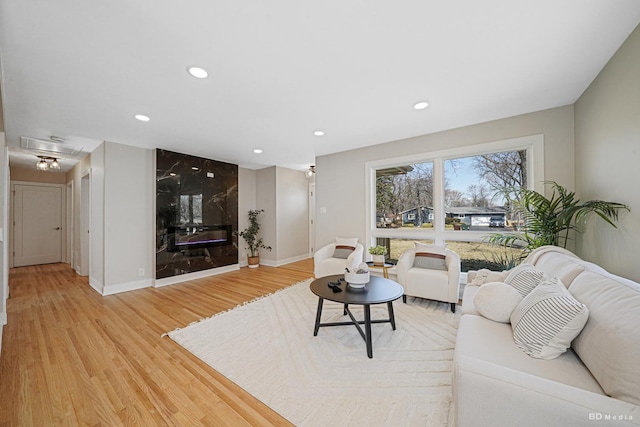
<point>196,214</point>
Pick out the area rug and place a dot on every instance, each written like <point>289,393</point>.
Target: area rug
<point>267,347</point>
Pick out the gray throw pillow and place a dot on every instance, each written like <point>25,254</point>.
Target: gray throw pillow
<point>343,251</point>
<point>430,260</point>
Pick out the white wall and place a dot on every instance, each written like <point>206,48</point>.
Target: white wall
<point>283,194</point>
<point>292,221</point>
<point>96,220</point>
<point>246,202</point>
<point>128,217</point>
<point>607,122</point>
<point>4,234</point>
<point>122,215</point>
<point>340,178</point>
<point>266,199</point>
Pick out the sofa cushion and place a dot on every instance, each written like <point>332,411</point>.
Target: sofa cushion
<point>609,345</point>
<point>496,301</point>
<point>492,342</point>
<point>565,267</point>
<point>524,278</point>
<point>547,320</point>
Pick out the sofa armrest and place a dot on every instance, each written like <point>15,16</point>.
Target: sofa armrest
<point>405,262</point>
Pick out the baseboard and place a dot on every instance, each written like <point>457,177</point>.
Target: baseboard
<point>281,262</point>
<point>126,287</point>
<point>195,275</point>
<point>96,285</point>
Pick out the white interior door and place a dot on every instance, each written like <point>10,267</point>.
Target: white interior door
<point>37,219</point>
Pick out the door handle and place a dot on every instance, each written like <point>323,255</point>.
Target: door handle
<point>57,228</point>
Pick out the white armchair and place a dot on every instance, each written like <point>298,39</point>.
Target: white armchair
<point>324,264</point>
<point>439,285</point>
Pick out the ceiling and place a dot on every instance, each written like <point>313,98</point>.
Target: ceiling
<point>278,71</point>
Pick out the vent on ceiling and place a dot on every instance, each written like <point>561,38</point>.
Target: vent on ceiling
<point>49,148</point>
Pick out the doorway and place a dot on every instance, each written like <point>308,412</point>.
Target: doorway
<point>37,224</point>
<point>85,199</point>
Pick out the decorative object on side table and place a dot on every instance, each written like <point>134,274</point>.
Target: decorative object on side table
<point>250,236</point>
<point>359,278</point>
<point>378,253</point>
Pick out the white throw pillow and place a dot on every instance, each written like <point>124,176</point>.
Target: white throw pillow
<point>525,278</point>
<point>547,320</point>
<point>434,249</point>
<point>353,242</point>
<point>496,301</point>
<point>487,276</point>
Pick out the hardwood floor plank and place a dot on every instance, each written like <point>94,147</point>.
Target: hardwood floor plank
<point>73,357</point>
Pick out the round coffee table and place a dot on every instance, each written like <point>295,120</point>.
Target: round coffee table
<point>378,291</point>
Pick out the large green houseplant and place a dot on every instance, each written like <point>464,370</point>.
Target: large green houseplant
<point>250,236</point>
<point>549,221</point>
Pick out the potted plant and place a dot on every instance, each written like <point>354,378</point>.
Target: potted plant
<point>548,221</point>
<point>250,236</point>
<point>378,253</point>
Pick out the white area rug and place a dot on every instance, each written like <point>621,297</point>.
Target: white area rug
<point>267,347</point>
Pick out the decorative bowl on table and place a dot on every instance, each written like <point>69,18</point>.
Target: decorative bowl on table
<point>357,280</point>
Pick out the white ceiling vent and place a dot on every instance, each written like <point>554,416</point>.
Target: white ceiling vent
<point>49,148</point>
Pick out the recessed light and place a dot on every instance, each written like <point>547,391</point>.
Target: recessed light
<point>172,174</point>
<point>420,105</point>
<point>194,168</point>
<point>319,133</point>
<point>257,150</point>
<point>197,72</point>
<point>142,117</point>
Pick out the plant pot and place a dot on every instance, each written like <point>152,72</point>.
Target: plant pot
<point>254,261</point>
<point>378,259</point>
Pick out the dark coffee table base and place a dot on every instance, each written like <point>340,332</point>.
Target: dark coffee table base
<point>366,334</point>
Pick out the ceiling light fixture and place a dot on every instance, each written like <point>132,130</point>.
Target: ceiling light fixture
<point>197,72</point>
<point>311,171</point>
<point>42,164</point>
<point>257,151</point>
<point>319,133</point>
<point>420,105</point>
<point>142,117</point>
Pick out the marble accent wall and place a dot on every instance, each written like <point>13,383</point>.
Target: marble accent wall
<point>196,214</point>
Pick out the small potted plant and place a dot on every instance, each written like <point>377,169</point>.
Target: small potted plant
<point>250,236</point>
<point>378,253</point>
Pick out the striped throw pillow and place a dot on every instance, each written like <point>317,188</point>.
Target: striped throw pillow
<point>525,278</point>
<point>547,320</point>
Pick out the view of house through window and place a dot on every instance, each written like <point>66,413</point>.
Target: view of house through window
<point>472,190</point>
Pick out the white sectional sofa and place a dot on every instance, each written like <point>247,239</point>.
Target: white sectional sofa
<point>596,382</point>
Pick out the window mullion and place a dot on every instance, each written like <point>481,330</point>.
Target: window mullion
<point>438,200</point>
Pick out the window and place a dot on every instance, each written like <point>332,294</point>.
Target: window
<point>451,196</point>
<point>473,197</point>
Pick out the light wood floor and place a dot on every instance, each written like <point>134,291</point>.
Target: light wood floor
<point>73,357</point>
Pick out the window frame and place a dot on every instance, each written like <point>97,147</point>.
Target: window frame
<point>533,144</point>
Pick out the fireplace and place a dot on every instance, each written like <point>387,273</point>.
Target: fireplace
<point>198,236</point>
